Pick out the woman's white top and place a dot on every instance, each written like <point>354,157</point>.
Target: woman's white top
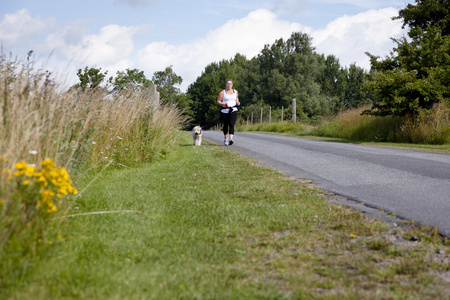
<point>230,100</point>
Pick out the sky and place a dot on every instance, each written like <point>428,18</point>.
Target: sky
<point>150,35</point>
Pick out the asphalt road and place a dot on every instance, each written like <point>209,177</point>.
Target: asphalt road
<point>415,185</point>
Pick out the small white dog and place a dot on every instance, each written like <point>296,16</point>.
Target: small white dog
<point>197,135</point>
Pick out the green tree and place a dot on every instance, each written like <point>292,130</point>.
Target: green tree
<point>204,92</point>
<point>90,78</point>
<point>427,12</point>
<point>290,69</point>
<point>333,81</point>
<point>354,95</point>
<point>415,76</point>
<point>166,82</point>
<point>131,81</point>
<point>284,70</point>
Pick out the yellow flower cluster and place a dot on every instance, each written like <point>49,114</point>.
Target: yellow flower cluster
<point>52,181</point>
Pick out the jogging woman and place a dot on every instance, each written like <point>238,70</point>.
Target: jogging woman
<point>228,99</point>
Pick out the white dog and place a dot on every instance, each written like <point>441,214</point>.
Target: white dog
<point>197,135</point>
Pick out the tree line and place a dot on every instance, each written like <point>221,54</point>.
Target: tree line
<point>412,78</point>
<point>284,70</point>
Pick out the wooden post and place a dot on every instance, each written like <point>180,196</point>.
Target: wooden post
<point>252,120</point>
<point>261,115</point>
<point>294,110</point>
<point>247,120</point>
<point>282,113</point>
<point>270,114</point>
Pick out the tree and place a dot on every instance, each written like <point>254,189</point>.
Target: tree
<point>166,82</point>
<point>427,12</point>
<point>415,76</point>
<point>204,92</point>
<point>90,78</point>
<point>354,95</point>
<point>290,69</point>
<point>284,70</point>
<point>130,81</point>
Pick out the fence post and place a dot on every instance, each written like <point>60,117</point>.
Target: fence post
<point>270,114</point>
<point>252,120</point>
<point>282,113</point>
<point>294,110</point>
<point>247,120</point>
<point>261,114</point>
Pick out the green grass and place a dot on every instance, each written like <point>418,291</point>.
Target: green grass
<point>211,224</point>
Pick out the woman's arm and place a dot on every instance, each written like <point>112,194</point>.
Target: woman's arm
<point>237,98</point>
<point>220,98</point>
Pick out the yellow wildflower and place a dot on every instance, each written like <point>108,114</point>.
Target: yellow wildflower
<point>46,194</point>
<point>2,201</point>
<point>21,165</point>
<point>54,181</point>
<point>352,236</point>
<point>63,173</point>
<point>18,173</point>
<point>52,208</point>
<point>40,179</point>
<point>72,190</point>
<point>48,164</point>
<point>20,168</point>
<point>29,171</point>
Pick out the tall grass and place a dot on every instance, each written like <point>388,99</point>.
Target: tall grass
<point>71,127</point>
<point>77,131</point>
<point>429,127</point>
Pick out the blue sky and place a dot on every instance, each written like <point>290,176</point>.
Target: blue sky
<point>152,34</point>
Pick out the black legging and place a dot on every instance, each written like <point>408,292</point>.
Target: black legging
<point>228,121</point>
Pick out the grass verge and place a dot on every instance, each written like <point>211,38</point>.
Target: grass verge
<point>429,131</point>
<point>207,223</point>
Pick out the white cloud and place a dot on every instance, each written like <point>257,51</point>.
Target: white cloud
<point>112,44</point>
<point>349,37</point>
<point>20,26</point>
<point>61,38</point>
<point>246,36</point>
<point>112,47</point>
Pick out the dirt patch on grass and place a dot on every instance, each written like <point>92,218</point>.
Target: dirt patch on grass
<point>324,259</point>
